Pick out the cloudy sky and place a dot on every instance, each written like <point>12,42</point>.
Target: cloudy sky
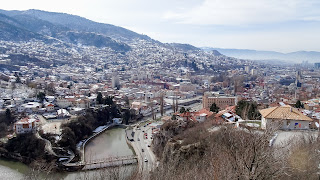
<point>278,25</point>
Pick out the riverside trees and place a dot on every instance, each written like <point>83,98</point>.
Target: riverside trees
<point>82,127</point>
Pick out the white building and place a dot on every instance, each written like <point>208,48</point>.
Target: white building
<point>63,102</point>
<point>63,113</point>
<point>25,125</point>
<point>286,117</point>
<point>115,80</point>
<point>29,107</point>
<point>49,107</point>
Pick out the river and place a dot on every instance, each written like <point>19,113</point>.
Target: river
<point>112,142</point>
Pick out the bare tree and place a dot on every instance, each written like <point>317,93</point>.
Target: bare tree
<point>227,153</point>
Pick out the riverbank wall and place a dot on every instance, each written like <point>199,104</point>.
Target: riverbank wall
<point>83,145</point>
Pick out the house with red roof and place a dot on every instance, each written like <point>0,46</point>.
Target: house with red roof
<point>199,116</point>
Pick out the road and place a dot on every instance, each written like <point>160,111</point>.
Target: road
<point>144,141</point>
<point>140,144</point>
<point>48,145</point>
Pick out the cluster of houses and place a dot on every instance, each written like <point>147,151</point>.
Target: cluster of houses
<point>60,107</point>
<point>283,116</point>
<point>50,108</point>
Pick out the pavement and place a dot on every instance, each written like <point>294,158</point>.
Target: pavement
<point>50,126</point>
<point>48,145</point>
<point>284,137</point>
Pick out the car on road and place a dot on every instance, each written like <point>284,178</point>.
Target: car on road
<point>142,150</point>
<point>148,145</point>
<point>145,159</point>
<point>142,131</point>
<point>138,139</point>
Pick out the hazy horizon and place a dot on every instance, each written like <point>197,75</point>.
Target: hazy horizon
<point>285,26</point>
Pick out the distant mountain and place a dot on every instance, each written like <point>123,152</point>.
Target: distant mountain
<point>296,57</point>
<point>183,47</point>
<point>23,26</point>
<point>39,26</point>
<point>92,39</point>
<point>80,24</point>
<point>10,32</point>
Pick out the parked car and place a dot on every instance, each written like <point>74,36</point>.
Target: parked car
<point>145,159</point>
<point>138,139</point>
<point>142,150</point>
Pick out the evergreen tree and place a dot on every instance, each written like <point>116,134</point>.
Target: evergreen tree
<point>108,100</point>
<point>41,96</point>
<point>9,117</point>
<point>126,100</point>
<point>182,110</point>
<point>99,98</point>
<point>298,104</point>
<point>18,80</point>
<point>214,108</point>
<point>126,116</point>
<point>247,110</point>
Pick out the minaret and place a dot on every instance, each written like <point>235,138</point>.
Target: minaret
<point>298,83</point>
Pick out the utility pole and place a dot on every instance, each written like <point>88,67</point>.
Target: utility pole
<point>176,106</point>
<point>173,105</point>
<point>152,111</point>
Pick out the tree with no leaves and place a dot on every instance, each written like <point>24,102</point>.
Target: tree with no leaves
<point>226,153</point>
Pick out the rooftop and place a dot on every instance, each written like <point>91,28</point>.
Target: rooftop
<point>284,112</point>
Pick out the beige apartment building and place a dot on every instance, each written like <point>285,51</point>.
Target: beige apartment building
<point>221,101</point>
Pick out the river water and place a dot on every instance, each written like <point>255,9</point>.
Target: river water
<point>112,142</point>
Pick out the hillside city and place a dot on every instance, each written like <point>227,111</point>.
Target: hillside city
<point>58,96</point>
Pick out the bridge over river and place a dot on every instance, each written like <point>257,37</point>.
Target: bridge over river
<point>103,163</point>
<point>105,149</point>
<point>110,162</point>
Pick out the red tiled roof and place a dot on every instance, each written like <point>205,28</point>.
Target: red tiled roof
<point>185,114</point>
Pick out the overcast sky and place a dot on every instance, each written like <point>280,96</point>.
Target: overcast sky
<point>278,25</point>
